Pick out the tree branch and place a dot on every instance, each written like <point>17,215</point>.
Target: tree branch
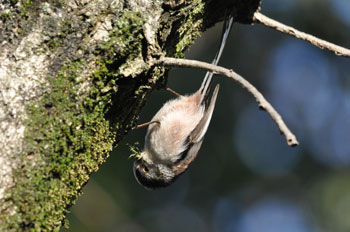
<point>338,50</point>
<point>263,103</point>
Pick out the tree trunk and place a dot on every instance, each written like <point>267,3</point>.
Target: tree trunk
<point>73,78</point>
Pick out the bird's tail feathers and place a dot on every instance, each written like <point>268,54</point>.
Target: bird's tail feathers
<point>205,87</point>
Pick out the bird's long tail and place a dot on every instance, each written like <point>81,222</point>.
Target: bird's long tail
<point>207,79</point>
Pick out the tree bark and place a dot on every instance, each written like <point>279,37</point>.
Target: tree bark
<point>73,77</point>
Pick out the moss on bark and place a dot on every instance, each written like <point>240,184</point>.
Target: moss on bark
<point>68,135</point>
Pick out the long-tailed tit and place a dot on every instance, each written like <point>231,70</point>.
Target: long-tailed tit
<point>176,132</point>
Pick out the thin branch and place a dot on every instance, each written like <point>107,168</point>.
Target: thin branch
<point>338,50</point>
<point>145,124</point>
<point>173,92</point>
<point>263,103</point>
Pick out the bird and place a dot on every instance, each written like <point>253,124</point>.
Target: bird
<point>176,132</point>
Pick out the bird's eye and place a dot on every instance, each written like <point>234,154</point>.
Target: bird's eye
<point>144,169</point>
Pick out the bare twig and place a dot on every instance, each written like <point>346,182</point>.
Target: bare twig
<point>145,124</point>
<point>338,50</point>
<point>263,103</point>
<point>173,92</point>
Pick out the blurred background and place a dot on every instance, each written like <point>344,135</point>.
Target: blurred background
<point>245,178</point>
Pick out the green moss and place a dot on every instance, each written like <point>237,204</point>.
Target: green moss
<point>67,134</point>
<point>5,15</point>
<point>67,143</point>
<point>128,31</point>
<point>190,30</point>
<point>26,6</point>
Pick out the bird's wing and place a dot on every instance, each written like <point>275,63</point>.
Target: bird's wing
<point>191,154</point>
<point>194,141</point>
<point>199,131</point>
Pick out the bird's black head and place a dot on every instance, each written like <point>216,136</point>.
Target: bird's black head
<point>152,176</point>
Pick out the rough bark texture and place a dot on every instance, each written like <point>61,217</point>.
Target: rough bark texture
<point>73,77</point>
